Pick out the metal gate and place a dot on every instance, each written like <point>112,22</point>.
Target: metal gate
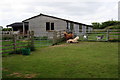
<point>95,35</point>
<point>100,35</point>
<point>43,39</point>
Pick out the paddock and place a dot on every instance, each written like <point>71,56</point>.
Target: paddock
<point>82,60</point>
<point>90,58</point>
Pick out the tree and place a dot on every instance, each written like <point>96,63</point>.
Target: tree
<point>108,23</point>
<point>96,25</point>
<point>115,24</point>
<point>7,29</point>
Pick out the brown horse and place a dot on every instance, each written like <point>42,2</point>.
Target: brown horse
<point>68,36</point>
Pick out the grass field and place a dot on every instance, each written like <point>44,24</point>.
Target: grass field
<point>82,60</point>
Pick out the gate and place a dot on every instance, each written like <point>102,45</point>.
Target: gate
<point>43,39</point>
<point>47,38</point>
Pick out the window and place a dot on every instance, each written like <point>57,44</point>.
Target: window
<point>52,26</point>
<point>80,26</point>
<point>71,26</point>
<point>49,26</point>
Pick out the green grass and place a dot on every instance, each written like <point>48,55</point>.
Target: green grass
<point>82,60</point>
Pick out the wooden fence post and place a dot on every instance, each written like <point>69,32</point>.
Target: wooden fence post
<point>107,34</point>
<point>14,42</point>
<point>28,35</point>
<point>54,37</point>
<point>32,38</point>
<point>60,34</point>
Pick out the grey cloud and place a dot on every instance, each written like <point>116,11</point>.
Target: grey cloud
<point>76,8</point>
<point>81,10</point>
<point>72,8</point>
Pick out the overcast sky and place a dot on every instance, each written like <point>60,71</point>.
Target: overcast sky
<point>83,11</point>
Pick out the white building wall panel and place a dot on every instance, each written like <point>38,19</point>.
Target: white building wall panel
<point>38,25</point>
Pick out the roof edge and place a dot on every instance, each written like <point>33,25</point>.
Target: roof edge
<point>55,18</point>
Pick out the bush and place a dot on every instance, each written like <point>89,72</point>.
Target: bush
<point>7,38</point>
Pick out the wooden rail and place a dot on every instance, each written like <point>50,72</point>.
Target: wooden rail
<point>15,43</point>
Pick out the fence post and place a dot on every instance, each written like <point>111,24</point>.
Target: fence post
<point>54,37</point>
<point>32,38</point>
<point>60,34</point>
<point>107,34</point>
<point>14,42</point>
<point>28,35</point>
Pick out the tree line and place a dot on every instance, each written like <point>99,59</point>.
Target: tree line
<point>107,24</point>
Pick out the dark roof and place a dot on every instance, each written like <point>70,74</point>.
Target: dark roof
<point>17,24</point>
<point>56,18</point>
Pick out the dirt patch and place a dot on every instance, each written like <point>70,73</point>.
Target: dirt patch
<point>16,74</point>
<point>30,76</point>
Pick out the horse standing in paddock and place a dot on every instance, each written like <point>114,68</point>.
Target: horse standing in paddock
<point>68,35</point>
